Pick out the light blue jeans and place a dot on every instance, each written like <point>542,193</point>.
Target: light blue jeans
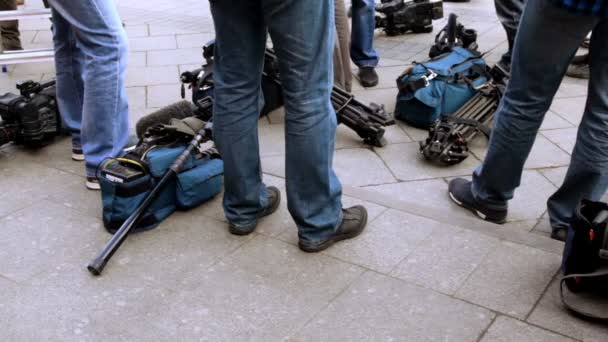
<point>547,40</point>
<point>91,52</point>
<point>302,32</point>
<point>362,50</point>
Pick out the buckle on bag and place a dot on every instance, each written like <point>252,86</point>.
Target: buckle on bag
<point>428,78</point>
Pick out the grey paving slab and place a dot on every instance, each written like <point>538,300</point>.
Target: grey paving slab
<point>137,31</point>
<point>175,57</point>
<point>43,236</point>
<point>511,279</point>
<point>378,308</point>
<point>196,40</point>
<point>443,262</point>
<point>407,163</point>
<point>551,314</point>
<point>555,175</point>
<point>554,121</point>
<point>152,43</point>
<point>505,329</point>
<point>137,59</point>
<point>150,76</point>
<point>564,138</point>
<point>570,109</point>
<point>572,87</point>
<point>416,134</point>
<point>544,154</point>
<point>40,37</point>
<point>163,95</point>
<point>361,166</point>
<point>265,291</point>
<point>387,77</point>
<point>163,29</point>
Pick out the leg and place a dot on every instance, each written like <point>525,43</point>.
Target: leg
<point>362,35</point>
<point>535,78</point>
<point>239,50</point>
<point>103,43</point>
<point>303,36</point>
<point>10,29</point>
<point>70,88</point>
<point>509,13</point>
<point>587,175</point>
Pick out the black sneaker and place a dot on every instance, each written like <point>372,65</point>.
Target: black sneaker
<point>460,192</point>
<point>368,77</point>
<point>77,154</point>
<point>92,183</point>
<point>274,199</point>
<point>353,222</point>
<point>559,234</point>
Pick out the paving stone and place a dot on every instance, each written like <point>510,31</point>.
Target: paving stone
<point>416,134</point>
<point>360,167</point>
<point>378,308</point>
<point>163,30</point>
<point>551,314</point>
<point>554,121</point>
<point>197,40</point>
<point>570,109</point>
<point>152,43</point>
<point>137,59</point>
<point>42,236</point>
<point>40,37</point>
<point>386,97</point>
<point>544,154</point>
<point>264,291</point>
<point>511,279</point>
<point>387,77</point>
<point>175,57</point>
<point>564,138</point>
<point>272,139</point>
<point>163,95</point>
<point>444,261</point>
<point>150,76</point>
<point>572,87</point>
<point>506,329</point>
<point>134,31</point>
<point>407,164</point>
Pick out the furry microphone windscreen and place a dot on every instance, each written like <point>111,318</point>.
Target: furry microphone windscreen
<point>163,116</point>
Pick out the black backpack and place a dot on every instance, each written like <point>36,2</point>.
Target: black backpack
<point>585,261</point>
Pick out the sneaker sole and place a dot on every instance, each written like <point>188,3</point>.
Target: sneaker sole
<point>325,245</point>
<point>92,186</point>
<point>476,212</point>
<point>77,157</point>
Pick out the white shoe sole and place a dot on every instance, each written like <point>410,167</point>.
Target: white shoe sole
<point>77,157</point>
<point>92,186</point>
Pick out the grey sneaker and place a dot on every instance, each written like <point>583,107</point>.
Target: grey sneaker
<point>77,154</point>
<point>274,199</point>
<point>460,192</point>
<point>353,223</point>
<point>92,183</point>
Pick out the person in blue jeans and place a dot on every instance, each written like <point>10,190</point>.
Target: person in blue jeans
<point>302,32</point>
<point>362,41</point>
<point>91,52</point>
<point>549,35</point>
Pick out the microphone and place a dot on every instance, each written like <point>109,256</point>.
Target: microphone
<point>179,110</point>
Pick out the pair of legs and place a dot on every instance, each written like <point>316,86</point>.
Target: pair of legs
<point>547,40</point>
<point>303,33</point>
<point>10,29</point>
<point>91,52</point>
<point>509,13</point>
<point>362,49</point>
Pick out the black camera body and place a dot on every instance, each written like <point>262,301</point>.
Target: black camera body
<point>398,17</point>
<point>31,118</point>
<point>453,34</point>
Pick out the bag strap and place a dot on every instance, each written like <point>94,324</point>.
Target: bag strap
<point>422,82</point>
<point>578,311</point>
<point>482,128</point>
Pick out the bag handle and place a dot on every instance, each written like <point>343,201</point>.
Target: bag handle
<point>578,311</point>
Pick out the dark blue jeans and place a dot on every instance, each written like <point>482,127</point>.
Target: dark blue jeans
<point>362,34</point>
<point>91,52</point>
<point>303,33</point>
<point>547,40</point>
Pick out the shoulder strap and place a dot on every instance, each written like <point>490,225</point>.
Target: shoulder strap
<point>578,311</point>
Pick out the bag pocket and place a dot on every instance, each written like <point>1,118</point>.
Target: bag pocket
<point>199,184</point>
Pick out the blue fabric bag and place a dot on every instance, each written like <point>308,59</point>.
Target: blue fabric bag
<point>439,86</point>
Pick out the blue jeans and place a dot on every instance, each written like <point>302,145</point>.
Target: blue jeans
<point>547,40</point>
<point>362,35</point>
<point>91,52</point>
<point>302,32</point>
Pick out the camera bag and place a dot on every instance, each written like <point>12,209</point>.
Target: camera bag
<point>585,260</point>
<point>439,87</point>
<point>125,182</point>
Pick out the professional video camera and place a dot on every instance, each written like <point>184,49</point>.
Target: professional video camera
<point>398,17</point>
<point>368,121</point>
<point>31,118</point>
<point>453,34</point>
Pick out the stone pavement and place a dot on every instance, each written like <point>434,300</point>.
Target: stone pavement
<point>423,270</point>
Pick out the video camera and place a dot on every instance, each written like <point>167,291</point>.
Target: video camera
<point>31,118</point>
<point>453,34</point>
<point>398,17</point>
